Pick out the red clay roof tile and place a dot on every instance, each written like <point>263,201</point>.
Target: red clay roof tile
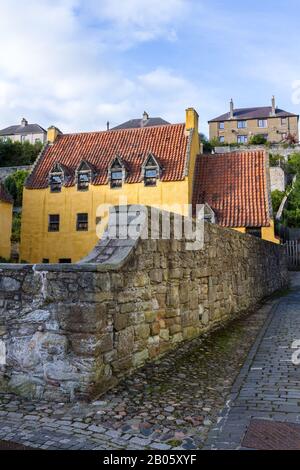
<point>168,143</point>
<point>4,195</point>
<point>235,186</point>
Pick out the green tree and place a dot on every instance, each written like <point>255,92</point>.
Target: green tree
<point>18,154</point>
<point>277,198</point>
<point>293,166</point>
<point>258,140</point>
<point>207,147</point>
<point>15,184</point>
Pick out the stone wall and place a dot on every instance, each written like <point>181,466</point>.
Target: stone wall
<point>73,331</point>
<point>7,171</point>
<point>278,178</point>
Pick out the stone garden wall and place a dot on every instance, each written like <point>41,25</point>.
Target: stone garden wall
<point>73,331</point>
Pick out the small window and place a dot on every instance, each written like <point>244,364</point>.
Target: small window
<point>222,139</point>
<point>65,261</point>
<point>151,176</point>
<point>263,123</point>
<point>45,261</point>
<point>53,223</point>
<point>82,224</point>
<point>254,231</point>
<point>221,126</point>
<point>116,179</point>
<point>284,121</point>
<point>242,139</point>
<point>56,182</point>
<point>83,180</point>
<point>242,124</point>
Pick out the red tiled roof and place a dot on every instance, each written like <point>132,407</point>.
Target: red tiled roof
<point>235,186</point>
<point>168,143</point>
<point>4,195</point>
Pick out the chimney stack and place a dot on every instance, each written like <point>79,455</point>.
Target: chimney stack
<point>231,109</point>
<point>273,106</point>
<point>24,122</point>
<point>52,134</point>
<point>145,116</point>
<point>107,125</point>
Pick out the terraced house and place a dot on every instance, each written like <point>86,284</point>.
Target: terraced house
<point>6,210</point>
<point>77,173</point>
<point>239,125</point>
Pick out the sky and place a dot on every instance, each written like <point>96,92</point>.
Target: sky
<point>77,64</point>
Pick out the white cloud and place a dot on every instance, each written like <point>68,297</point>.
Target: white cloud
<point>56,65</point>
<point>136,20</point>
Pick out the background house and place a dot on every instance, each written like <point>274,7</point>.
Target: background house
<point>145,121</point>
<point>238,126</point>
<point>24,132</point>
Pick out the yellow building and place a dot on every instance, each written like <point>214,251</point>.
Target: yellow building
<point>77,174</point>
<point>239,125</point>
<point>6,211</point>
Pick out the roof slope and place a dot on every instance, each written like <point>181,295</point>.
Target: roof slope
<point>140,123</point>
<point>169,144</point>
<point>235,186</point>
<point>22,130</point>
<point>4,195</point>
<point>253,113</point>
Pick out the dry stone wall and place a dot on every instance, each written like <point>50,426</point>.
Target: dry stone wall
<point>73,331</point>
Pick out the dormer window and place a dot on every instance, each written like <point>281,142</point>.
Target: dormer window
<point>84,175</point>
<point>56,178</point>
<point>151,171</point>
<point>117,174</point>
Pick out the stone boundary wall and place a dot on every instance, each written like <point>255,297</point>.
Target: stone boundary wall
<point>73,331</point>
<point>9,170</point>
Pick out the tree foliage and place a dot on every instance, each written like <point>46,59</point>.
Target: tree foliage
<point>15,184</point>
<point>258,140</point>
<point>277,198</point>
<point>18,154</point>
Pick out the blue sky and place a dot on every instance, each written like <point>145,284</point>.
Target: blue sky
<point>78,64</point>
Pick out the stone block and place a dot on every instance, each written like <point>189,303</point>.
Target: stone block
<point>124,341</point>
<point>140,358</point>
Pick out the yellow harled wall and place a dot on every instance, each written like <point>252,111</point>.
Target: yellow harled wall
<point>38,244</point>
<point>6,210</point>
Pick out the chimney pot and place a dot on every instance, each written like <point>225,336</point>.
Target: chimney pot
<point>107,125</point>
<point>145,116</point>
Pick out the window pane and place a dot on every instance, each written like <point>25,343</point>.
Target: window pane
<point>151,173</point>
<point>116,175</point>
<point>242,124</point>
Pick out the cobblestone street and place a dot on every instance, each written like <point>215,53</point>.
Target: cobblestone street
<point>169,405</point>
<point>267,389</point>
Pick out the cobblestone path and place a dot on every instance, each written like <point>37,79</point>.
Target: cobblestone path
<point>172,404</point>
<point>268,387</point>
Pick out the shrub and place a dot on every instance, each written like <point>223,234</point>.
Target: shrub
<point>258,140</point>
<point>277,198</point>
<point>16,228</point>
<point>18,154</point>
<point>15,184</point>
